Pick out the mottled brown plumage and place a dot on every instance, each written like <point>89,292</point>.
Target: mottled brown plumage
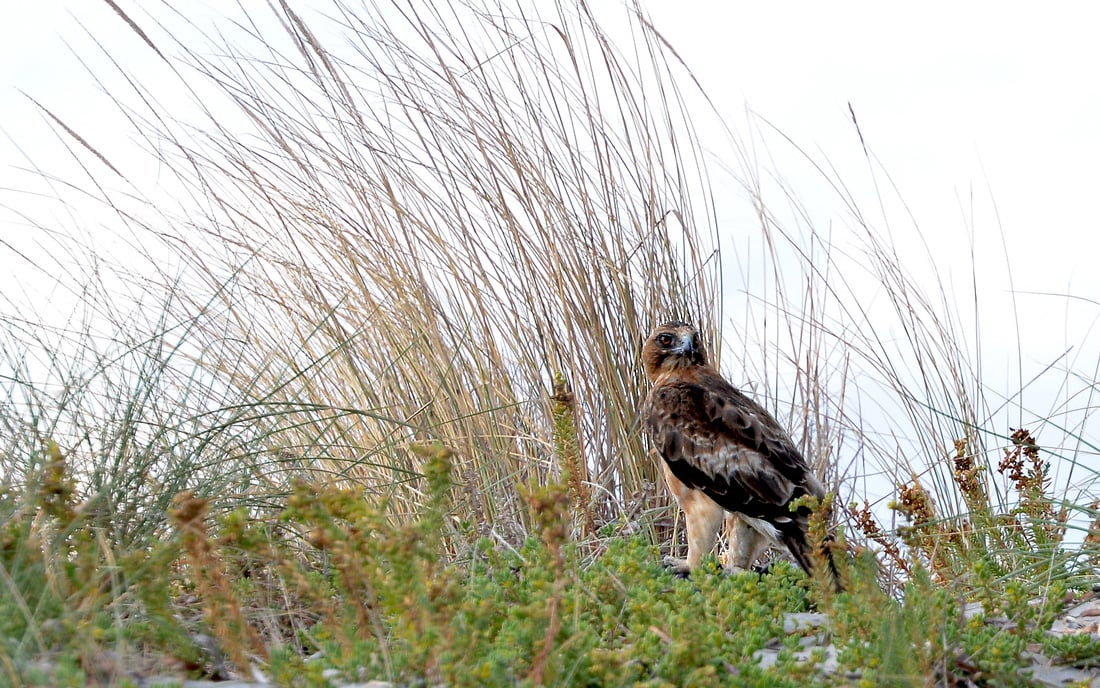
<point>722,453</point>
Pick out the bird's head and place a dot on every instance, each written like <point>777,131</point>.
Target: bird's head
<point>672,345</point>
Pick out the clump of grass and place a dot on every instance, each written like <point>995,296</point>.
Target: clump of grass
<point>1030,536</point>
<point>927,634</point>
<point>75,604</point>
<point>440,223</point>
<point>1017,564</point>
<point>383,600</point>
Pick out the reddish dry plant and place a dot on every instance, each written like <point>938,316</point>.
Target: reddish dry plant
<point>570,451</point>
<point>1092,537</point>
<point>867,524</point>
<point>966,474</point>
<point>925,535</point>
<point>220,604</point>
<point>1030,480</point>
<point>1028,473</point>
<point>915,504</point>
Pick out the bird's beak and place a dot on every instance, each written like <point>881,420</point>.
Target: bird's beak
<point>687,344</point>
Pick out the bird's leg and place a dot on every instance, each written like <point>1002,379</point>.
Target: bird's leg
<point>745,544</point>
<point>703,518</point>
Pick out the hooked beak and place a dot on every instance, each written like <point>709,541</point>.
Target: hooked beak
<point>687,344</point>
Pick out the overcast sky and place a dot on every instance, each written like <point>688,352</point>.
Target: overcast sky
<point>1003,98</point>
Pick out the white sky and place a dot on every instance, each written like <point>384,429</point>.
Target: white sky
<point>1001,98</point>
<point>999,101</point>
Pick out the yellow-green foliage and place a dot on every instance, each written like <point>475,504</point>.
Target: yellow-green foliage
<point>71,592</point>
<point>414,601</point>
<point>539,614</point>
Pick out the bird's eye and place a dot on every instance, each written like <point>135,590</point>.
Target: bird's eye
<point>665,339</point>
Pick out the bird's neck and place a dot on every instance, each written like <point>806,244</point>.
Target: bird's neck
<point>685,371</point>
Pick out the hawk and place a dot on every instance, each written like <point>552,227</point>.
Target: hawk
<point>724,456</point>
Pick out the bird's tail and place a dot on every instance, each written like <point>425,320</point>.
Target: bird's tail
<point>795,540</point>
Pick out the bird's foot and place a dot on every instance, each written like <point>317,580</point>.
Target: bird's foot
<point>679,567</point>
<point>762,569</point>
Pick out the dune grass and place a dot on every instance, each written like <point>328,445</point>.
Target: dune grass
<point>377,395</point>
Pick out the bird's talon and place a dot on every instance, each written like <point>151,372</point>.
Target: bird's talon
<point>678,567</point>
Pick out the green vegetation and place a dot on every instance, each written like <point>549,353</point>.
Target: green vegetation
<point>330,572</point>
<point>366,400</point>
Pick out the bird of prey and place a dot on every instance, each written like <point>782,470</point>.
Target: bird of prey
<point>723,455</point>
